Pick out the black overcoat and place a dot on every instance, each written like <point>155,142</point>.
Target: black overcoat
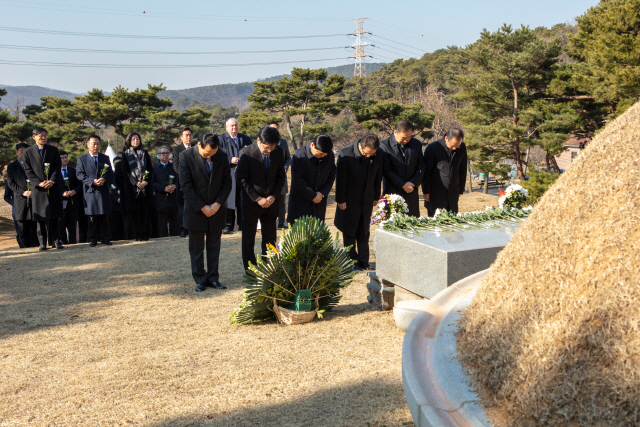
<point>308,176</point>
<point>17,182</point>
<point>45,205</point>
<point>132,200</point>
<point>96,199</point>
<point>358,184</point>
<point>253,177</point>
<point>402,165</point>
<point>445,175</point>
<point>201,188</point>
<point>160,179</point>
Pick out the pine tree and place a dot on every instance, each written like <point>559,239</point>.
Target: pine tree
<point>509,70</point>
<point>304,94</point>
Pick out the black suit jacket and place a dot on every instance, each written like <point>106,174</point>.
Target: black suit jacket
<point>47,204</point>
<point>17,182</point>
<point>308,176</point>
<point>201,188</point>
<point>402,166</point>
<point>74,185</point>
<point>177,150</point>
<point>159,180</point>
<point>253,176</point>
<point>358,184</point>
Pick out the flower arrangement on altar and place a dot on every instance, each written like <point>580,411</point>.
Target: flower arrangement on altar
<point>303,276</point>
<point>389,206</point>
<point>515,196</point>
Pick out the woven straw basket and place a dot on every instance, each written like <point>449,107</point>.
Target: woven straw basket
<point>292,317</point>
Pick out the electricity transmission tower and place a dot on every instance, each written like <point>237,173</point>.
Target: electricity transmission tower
<point>359,69</point>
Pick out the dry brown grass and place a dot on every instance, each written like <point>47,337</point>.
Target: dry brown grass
<point>552,337</point>
<point>117,336</point>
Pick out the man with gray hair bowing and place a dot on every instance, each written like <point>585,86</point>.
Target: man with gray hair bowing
<point>205,178</point>
<point>233,142</point>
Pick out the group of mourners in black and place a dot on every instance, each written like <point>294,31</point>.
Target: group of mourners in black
<point>224,181</point>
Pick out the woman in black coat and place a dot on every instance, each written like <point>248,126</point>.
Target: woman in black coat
<point>138,194</point>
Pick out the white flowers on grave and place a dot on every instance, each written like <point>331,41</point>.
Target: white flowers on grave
<point>514,197</point>
<point>389,206</point>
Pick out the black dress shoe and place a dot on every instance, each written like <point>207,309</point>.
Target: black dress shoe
<point>43,248</point>
<point>227,231</point>
<point>107,242</point>
<point>201,287</point>
<point>280,226</point>
<point>59,246</point>
<point>367,267</point>
<point>285,226</point>
<point>356,267</point>
<point>183,233</point>
<point>217,285</point>
<point>93,244</point>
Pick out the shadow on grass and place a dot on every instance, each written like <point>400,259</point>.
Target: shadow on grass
<point>368,403</point>
<point>41,290</point>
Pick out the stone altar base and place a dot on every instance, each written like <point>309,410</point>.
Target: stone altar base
<point>425,265</point>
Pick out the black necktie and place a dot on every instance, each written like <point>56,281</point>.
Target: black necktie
<point>265,160</point>
<point>95,160</point>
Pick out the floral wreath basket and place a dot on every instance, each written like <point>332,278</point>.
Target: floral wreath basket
<point>309,268</point>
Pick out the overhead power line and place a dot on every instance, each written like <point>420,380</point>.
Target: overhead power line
<point>77,65</point>
<point>154,14</point>
<point>139,36</point>
<point>155,52</point>
<point>401,44</point>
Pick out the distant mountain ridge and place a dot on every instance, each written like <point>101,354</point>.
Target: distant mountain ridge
<point>27,95</point>
<point>224,94</point>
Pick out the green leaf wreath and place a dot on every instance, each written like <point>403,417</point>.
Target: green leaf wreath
<point>309,258</point>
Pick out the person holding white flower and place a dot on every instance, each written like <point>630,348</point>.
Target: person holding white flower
<point>70,201</point>
<point>138,198</point>
<point>166,187</point>
<point>42,167</point>
<point>95,172</point>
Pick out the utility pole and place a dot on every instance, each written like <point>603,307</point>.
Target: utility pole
<point>359,69</point>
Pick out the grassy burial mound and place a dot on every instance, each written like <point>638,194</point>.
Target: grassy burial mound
<point>553,336</point>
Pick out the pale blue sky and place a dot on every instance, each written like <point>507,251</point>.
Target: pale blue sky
<point>401,29</point>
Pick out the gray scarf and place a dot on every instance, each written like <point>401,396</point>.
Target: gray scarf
<point>137,163</point>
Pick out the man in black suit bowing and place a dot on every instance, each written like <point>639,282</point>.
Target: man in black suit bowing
<point>205,178</point>
<point>261,174</point>
<point>233,142</point>
<point>358,183</point>
<point>313,172</point>
<point>42,166</point>
<point>70,201</point>
<point>403,165</point>
<point>186,136</point>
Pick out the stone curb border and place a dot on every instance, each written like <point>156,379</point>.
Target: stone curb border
<point>435,385</point>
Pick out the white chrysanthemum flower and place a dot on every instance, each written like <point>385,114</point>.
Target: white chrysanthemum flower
<point>381,205</point>
<point>502,200</point>
<point>435,215</point>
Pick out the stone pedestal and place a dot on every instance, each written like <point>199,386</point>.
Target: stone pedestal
<point>381,292</point>
<point>427,264</point>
